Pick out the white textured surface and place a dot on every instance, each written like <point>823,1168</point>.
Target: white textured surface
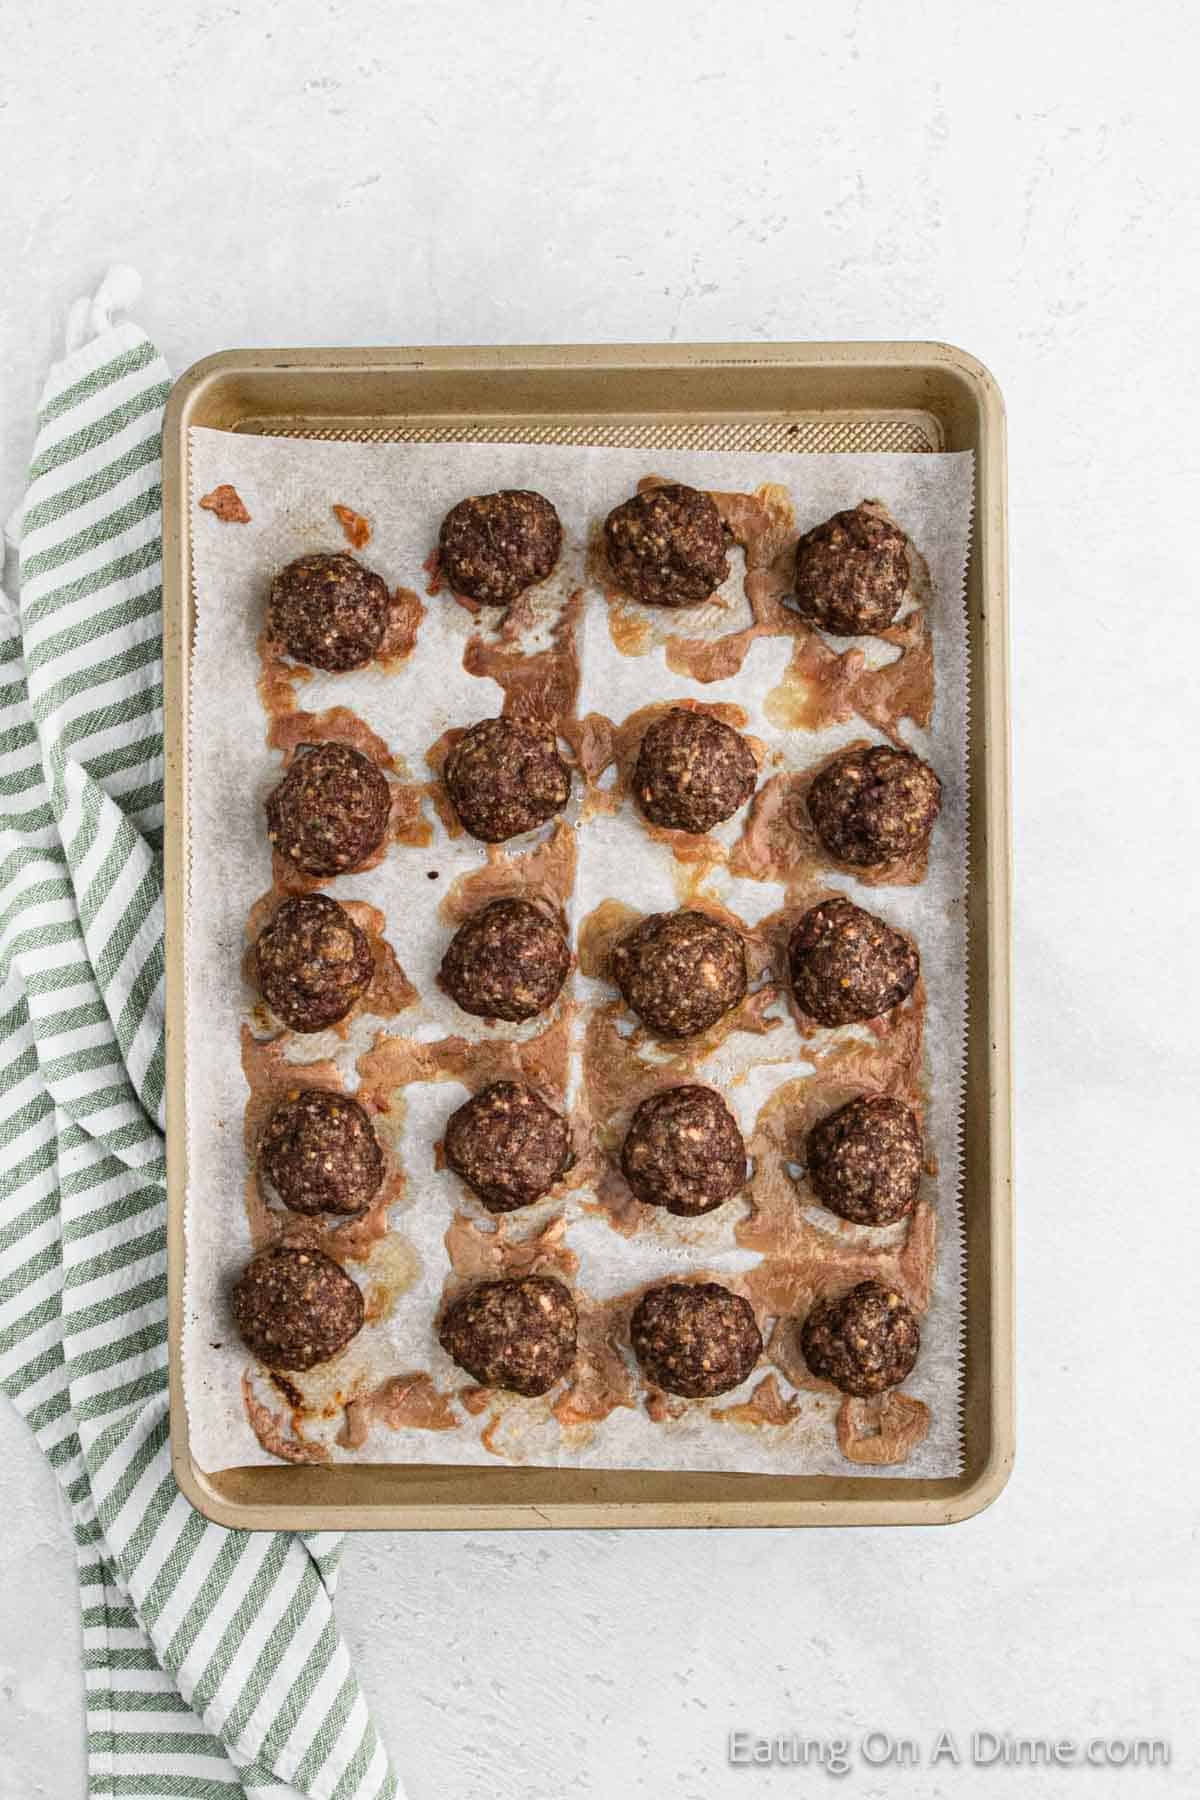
<point>1017,178</point>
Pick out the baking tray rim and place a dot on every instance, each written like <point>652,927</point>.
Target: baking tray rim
<point>874,1499</point>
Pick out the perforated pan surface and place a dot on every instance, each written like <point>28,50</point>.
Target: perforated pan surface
<point>809,437</point>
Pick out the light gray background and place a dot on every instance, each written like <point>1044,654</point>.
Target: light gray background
<point>1017,178</point>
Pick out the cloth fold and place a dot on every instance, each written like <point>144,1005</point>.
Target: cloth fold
<point>212,1661</point>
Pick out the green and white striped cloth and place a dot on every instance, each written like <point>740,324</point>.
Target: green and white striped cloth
<point>213,1665</point>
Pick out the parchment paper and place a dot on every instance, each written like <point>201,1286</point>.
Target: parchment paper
<point>289,487</point>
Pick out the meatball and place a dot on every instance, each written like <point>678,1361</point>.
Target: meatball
<point>330,811</point>
<point>494,546</point>
<point>515,1334</point>
<point>847,965</point>
<point>865,1342</point>
<point>508,1145</point>
<point>313,962</point>
<point>852,572</point>
<point>328,611</point>
<point>871,806</point>
<point>692,771</point>
<point>505,776</point>
<point>295,1308</point>
<point>695,1339</point>
<point>680,971</point>
<point>666,546</point>
<point>319,1152</point>
<point>507,961</point>
<point>684,1151</point>
<point>865,1160</point>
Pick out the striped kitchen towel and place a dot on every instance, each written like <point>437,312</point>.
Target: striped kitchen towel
<point>212,1662</point>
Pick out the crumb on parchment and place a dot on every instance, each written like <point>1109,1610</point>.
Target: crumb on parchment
<point>356,528</point>
<point>227,503</point>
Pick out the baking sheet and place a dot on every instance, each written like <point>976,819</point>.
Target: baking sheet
<point>289,487</point>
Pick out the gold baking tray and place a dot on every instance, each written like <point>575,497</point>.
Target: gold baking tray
<point>776,397</point>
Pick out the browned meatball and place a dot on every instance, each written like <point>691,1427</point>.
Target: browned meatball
<point>666,546</point>
<point>684,1151</point>
<point>508,1145</point>
<point>328,611</point>
<point>865,1160</point>
<point>680,971</point>
<point>871,806</point>
<point>507,961</point>
<point>847,965</point>
<point>295,1308</point>
<point>865,1342</point>
<point>505,776</point>
<point>319,1153</point>
<point>695,1339</point>
<point>330,811</point>
<point>852,572</point>
<point>313,962</point>
<point>515,1334</point>
<point>692,771</point>
<point>494,546</point>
